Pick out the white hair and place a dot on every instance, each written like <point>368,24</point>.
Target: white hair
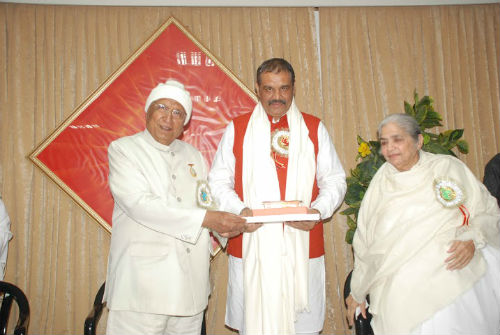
<point>404,121</point>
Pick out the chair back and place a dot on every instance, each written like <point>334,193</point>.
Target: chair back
<point>10,293</point>
<point>95,313</point>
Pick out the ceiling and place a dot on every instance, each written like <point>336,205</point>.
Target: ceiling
<point>254,3</point>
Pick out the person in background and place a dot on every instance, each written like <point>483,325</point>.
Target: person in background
<point>276,281</point>
<point>158,267</point>
<point>5,236</point>
<point>426,248</point>
<point>492,176</point>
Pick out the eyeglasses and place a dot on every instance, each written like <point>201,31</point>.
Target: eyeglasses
<point>176,114</point>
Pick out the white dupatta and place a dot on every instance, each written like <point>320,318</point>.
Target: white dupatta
<point>275,257</point>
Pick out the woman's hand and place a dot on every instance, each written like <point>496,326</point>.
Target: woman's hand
<point>461,254</point>
<point>351,309</point>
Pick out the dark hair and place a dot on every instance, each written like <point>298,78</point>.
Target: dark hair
<point>275,65</point>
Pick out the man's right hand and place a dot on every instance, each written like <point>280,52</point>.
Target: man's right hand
<point>251,227</point>
<point>226,224</point>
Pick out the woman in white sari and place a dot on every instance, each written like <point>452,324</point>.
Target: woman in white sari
<point>427,243</point>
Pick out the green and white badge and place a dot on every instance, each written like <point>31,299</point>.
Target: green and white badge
<point>204,196</point>
<point>448,192</point>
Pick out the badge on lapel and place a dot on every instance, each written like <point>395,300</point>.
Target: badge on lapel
<point>203,196</point>
<point>192,170</point>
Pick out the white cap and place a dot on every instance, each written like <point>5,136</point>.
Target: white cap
<point>171,89</point>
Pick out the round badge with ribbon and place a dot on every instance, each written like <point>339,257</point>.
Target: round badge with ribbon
<point>450,194</point>
<point>204,196</point>
<point>280,140</point>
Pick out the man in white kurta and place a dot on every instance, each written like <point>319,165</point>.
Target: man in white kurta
<point>276,279</point>
<point>158,267</point>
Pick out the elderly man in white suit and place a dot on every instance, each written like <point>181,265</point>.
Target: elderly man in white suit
<point>158,279</point>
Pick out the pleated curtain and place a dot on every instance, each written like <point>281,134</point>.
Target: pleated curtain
<point>353,65</point>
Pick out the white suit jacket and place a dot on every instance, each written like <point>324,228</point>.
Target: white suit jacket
<point>159,254</point>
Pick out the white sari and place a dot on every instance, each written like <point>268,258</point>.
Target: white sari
<point>402,239</point>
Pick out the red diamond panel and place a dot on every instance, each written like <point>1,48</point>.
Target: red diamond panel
<point>75,155</point>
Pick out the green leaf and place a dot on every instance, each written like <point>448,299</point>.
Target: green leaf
<point>374,145</point>
<point>436,148</point>
<point>408,109</point>
<point>421,115</point>
<point>350,211</point>
<point>354,175</point>
<point>443,140</point>
<point>351,223</point>
<point>355,193</point>
<point>367,169</point>
<point>425,101</point>
<point>463,146</point>
<point>432,120</point>
<point>349,235</point>
<point>359,139</point>
<point>455,134</point>
<point>432,136</point>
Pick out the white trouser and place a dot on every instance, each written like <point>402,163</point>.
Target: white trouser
<point>307,323</point>
<point>134,323</point>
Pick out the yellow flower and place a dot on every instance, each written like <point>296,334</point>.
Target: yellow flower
<point>364,149</point>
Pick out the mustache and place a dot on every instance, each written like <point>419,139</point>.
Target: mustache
<point>270,102</point>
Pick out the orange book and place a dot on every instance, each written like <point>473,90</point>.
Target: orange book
<point>281,203</point>
<point>279,211</point>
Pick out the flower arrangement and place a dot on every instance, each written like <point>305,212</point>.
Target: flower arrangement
<point>370,158</point>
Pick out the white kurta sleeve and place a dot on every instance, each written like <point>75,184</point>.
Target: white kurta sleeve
<point>221,175</point>
<point>330,176</point>
<point>5,236</point>
<point>131,189</point>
